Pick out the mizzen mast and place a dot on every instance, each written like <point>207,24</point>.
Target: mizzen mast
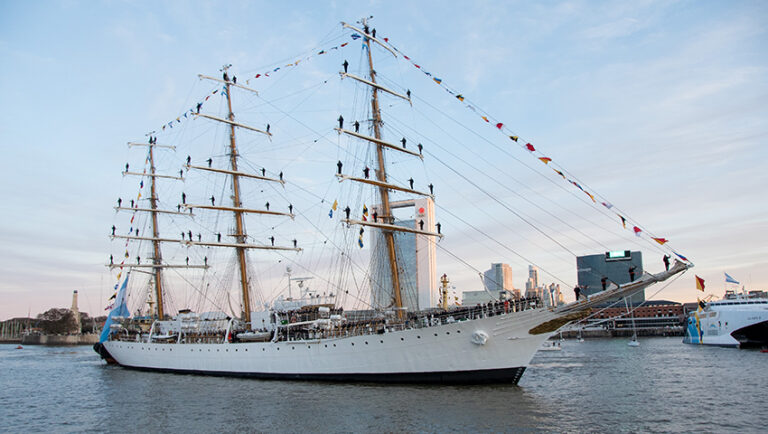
<point>157,258</point>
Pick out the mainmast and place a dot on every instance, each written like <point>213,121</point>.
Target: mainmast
<point>239,224</point>
<point>241,242</point>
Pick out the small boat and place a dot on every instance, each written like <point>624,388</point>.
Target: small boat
<point>551,346</point>
<point>633,342</point>
<point>19,347</point>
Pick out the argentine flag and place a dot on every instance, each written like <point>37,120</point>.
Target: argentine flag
<point>729,279</point>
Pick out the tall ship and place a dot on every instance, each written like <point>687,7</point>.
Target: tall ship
<point>739,319</point>
<point>298,296</point>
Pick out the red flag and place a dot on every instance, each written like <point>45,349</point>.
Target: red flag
<point>699,283</point>
<point>637,230</point>
<point>660,240</point>
<point>499,125</point>
<point>344,44</point>
<point>529,147</point>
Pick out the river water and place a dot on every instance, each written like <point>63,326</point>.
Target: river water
<point>597,386</point>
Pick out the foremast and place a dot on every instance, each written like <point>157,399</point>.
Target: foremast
<point>381,174</point>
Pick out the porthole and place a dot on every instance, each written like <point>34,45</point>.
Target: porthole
<point>458,331</point>
<point>435,334</point>
<point>418,337</point>
<point>447,333</point>
<point>353,344</point>
<point>402,339</point>
<point>334,345</point>
<point>293,348</point>
<point>366,342</point>
<point>263,349</point>
<point>326,345</point>
<point>381,342</point>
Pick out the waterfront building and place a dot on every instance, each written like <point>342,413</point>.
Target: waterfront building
<point>652,314</point>
<point>472,298</point>
<point>614,266</point>
<point>417,263</point>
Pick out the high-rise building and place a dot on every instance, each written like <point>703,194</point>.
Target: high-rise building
<point>614,266</point>
<point>417,264</point>
<point>533,275</point>
<point>498,278</point>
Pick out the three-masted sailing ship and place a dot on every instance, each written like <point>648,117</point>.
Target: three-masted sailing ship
<point>312,336</point>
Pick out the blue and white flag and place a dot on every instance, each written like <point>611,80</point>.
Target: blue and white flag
<point>120,309</point>
<point>729,279</point>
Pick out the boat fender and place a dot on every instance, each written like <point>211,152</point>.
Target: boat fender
<point>479,337</point>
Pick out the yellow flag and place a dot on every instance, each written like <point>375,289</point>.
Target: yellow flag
<point>335,205</point>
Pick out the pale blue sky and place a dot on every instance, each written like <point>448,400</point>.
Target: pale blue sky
<point>658,106</point>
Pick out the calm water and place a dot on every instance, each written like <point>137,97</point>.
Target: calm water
<point>596,386</point>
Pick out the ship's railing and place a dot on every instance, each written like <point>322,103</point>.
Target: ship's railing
<point>300,326</point>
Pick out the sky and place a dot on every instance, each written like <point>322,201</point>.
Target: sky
<point>657,105</point>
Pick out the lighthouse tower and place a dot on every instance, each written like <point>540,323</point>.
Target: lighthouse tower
<point>76,314</point>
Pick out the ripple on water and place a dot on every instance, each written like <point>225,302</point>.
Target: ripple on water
<point>595,386</point>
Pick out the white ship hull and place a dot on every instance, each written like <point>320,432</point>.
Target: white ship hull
<point>730,325</point>
<point>450,353</point>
